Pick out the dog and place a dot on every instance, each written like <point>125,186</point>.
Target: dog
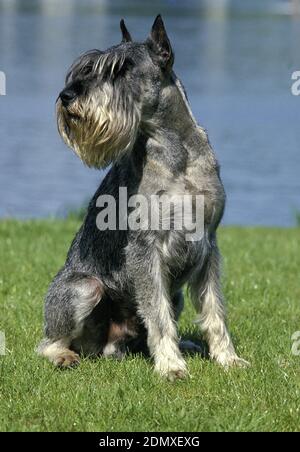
<point>121,289</point>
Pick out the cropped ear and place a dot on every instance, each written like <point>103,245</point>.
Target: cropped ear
<point>126,37</point>
<point>160,45</point>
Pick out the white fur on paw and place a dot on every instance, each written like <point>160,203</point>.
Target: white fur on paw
<point>228,359</point>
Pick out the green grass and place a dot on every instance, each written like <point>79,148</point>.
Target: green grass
<point>261,282</point>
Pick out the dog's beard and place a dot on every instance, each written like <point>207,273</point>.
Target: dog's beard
<point>101,127</point>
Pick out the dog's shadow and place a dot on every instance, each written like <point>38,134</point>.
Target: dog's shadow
<point>192,345</point>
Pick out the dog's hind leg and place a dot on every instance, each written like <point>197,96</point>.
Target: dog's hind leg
<point>70,300</point>
<point>208,300</point>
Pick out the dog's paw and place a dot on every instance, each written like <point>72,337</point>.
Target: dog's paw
<point>172,369</point>
<point>66,360</point>
<point>239,362</point>
<point>228,360</point>
<point>177,374</point>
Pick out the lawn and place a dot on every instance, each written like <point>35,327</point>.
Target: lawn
<point>261,282</point>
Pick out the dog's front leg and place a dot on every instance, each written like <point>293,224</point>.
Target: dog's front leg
<point>208,300</point>
<point>155,308</point>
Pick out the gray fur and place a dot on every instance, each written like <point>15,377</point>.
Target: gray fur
<point>141,273</point>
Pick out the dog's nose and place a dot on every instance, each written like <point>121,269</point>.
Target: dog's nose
<point>67,96</point>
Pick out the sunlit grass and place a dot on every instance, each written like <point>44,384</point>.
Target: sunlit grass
<point>261,282</point>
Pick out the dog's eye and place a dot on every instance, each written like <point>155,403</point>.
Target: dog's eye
<point>86,70</point>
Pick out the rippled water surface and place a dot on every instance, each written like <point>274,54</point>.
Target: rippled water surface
<point>234,57</point>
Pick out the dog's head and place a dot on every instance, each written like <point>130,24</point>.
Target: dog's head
<point>108,95</point>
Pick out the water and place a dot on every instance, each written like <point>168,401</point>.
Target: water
<point>235,58</point>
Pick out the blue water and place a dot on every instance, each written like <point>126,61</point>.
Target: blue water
<point>235,58</point>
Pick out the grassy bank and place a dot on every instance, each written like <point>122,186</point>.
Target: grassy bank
<point>261,282</point>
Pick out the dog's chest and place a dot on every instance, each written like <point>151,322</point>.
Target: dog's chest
<point>192,210</point>
<point>180,257</point>
<point>198,184</point>
<point>190,205</point>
